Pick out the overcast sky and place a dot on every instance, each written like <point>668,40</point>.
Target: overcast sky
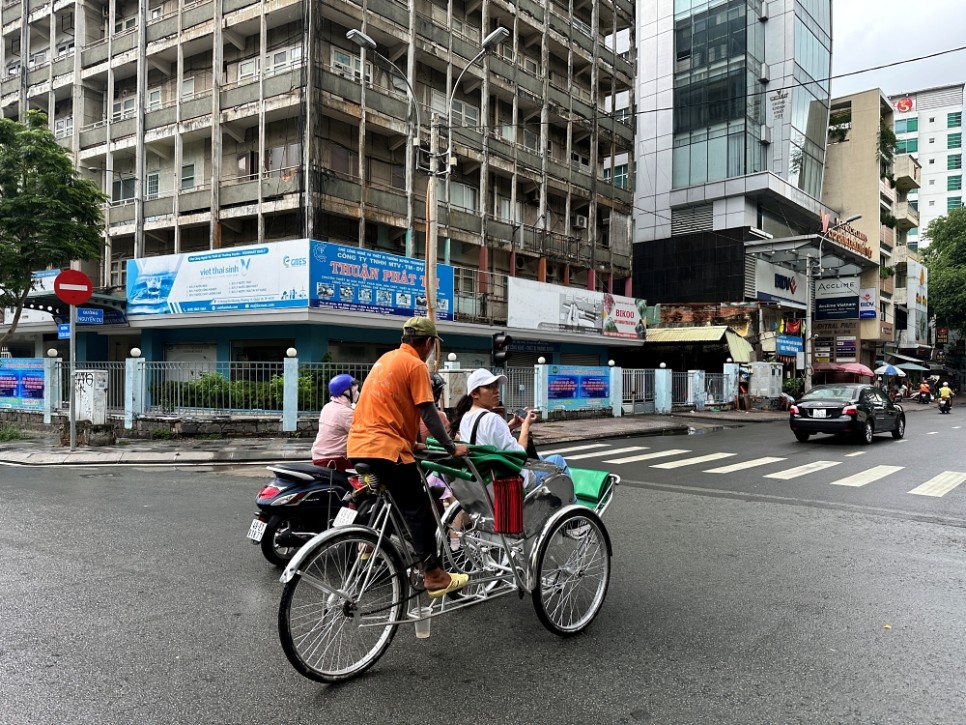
<point>875,32</point>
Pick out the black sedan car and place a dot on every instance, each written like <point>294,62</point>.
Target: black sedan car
<point>846,408</point>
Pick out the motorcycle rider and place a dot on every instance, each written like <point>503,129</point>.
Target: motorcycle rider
<point>946,394</point>
<point>329,449</point>
<point>924,394</point>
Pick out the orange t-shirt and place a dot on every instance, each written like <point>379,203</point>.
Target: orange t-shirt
<point>386,420</point>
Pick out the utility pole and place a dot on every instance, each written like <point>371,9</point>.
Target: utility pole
<point>432,218</point>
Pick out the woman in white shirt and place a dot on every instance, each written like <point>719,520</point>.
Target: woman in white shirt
<point>479,425</point>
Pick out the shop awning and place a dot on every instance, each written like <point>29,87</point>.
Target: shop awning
<point>907,358</point>
<point>739,348</point>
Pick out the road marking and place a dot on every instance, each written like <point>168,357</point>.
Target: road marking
<point>746,464</point>
<point>693,461</point>
<point>957,427</point>
<point>648,456</point>
<point>904,440</point>
<point>940,485</point>
<point>812,467</point>
<point>570,449</point>
<point>606,453</point>
<point>932,433</point>
<point>853,455</point>
<point>873,474</point>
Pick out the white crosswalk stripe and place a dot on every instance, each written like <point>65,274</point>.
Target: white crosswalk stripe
<point>864,477</point>
<point>573,449</point>
<point>693,461</point>
<point>812,467</point>
<point>940,485</point>
<point>853,455</point>
<point>608,452</point>
<point>746,464</point>
<point>649,456</point>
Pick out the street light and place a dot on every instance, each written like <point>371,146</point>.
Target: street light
<point>432,221</point>
<point>809,298</point>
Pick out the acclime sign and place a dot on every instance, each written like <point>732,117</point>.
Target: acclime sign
<point>851,238</point>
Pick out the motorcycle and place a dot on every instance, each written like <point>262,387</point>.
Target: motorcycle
<point>301,501</point>
<point>924,397</point>
<point>945,404</point>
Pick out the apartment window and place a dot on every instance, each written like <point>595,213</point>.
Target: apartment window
<point>953,203</point>
<point>954,183</point>
<point>531,140</point>
<point>579,161</point>
<point>155,12</point>
<point>122,24</point>
<point>248,69</point>
<point>932,119</point>
<point>531,65</point>
<point>65,48</point>
<point>154,99</point>
<point>907,125</point>
<point>350,65</point>
<point>187,88</point>
<point>124,108</point>
<point>13,68</point>
<point>954,162</point>
<point>187,177</point>
<point>247,164</point>
<point>932,161</point>
<point>343,160</point>
<point>37,59</point>
<point>123,188</point>
<point>464,114</point>
<point>463,196</point>
<point>954,120</point>
<point>152,184</point>
<point>63,127</point>
<point>954,141</point>
<point>932,140</point>
<point>281,160</point>
<point>620,176</point>
<point>282,58</point>
<point>118,273</point>
<point>907,146</point>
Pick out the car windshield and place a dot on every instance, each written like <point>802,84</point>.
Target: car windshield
<point>830,392</point>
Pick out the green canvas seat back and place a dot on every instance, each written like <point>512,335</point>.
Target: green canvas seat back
<point>589,486</point>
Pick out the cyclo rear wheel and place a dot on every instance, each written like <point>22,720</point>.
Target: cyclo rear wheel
<point>336,616</point>
<point>572,573</point>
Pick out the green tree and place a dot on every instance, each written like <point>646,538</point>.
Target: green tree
<point>946,259</point>
<point>48,215</point>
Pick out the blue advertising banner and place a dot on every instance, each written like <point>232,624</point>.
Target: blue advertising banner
<point>22,383</point>
<point>264,276</point>
<point>364,280</point>
<point>789,345</point>
<point>572,387</point>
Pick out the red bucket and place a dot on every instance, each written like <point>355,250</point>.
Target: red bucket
<point>508,505</point>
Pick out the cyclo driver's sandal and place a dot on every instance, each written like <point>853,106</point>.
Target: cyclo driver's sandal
<point>456,582</point>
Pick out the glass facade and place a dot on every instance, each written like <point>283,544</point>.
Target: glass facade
<point>718,111</point>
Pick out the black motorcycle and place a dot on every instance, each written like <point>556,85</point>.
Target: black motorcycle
<point>945,405</point>
<point>301,501</point>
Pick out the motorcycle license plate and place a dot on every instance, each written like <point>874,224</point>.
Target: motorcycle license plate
<point>818,413</point>
<point>345,517</point>
<point>257,530</point>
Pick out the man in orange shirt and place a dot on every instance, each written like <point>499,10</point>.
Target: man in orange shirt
<point>397,393</point>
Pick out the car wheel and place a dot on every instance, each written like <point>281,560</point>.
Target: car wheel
<point>802,437</point>
<point>900,429</point>
<point>865,435</point>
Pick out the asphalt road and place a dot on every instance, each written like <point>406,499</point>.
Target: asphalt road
<point>131,595</point>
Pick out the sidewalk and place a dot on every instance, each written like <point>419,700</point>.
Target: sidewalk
<point>45,449</point>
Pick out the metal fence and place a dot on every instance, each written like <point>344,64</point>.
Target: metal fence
<point>213,388</point>
<point>680,383</point>
<point>714,389</point>
<point>518,392</point>
<point>314,382</point>
<point>115,383</point>
<point>638,385</point>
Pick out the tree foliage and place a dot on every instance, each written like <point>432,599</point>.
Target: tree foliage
<point>48,215</point>
<point>946,259</point>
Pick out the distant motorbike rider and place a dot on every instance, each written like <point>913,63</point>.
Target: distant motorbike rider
<point>946,394</point>
<point>924,393</point>
<point>334,422</point>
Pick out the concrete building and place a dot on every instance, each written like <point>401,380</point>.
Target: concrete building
<point>219,123</point>
<point>733,104</point>
<point>864,175</point>
<point>929,125</point>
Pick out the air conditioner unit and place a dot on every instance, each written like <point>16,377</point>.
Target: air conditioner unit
<point>579,221</point>
<point>763,15</point>
<point>766,137</point>
<point>765,74</point>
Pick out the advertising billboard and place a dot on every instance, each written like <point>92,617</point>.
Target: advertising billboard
<point>364,280</point>
<point>779,284</point>
<point>22,383</point>
<point>837,298</point>
<point>539,306</point>
<point>867,305</point>
<point>917,304</point>
<point>575,387</point>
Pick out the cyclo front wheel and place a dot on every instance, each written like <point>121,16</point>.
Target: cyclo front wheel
<point>572,573</point>
<point>339,613</point>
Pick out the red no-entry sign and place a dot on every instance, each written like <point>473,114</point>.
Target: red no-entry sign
<point>73,287</point>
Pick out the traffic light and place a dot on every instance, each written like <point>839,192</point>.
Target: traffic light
<point>500,354</point>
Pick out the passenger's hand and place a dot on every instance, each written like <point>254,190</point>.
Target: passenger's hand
<point>532,416</point>
<point>419,446</point>
<point>461,450</point>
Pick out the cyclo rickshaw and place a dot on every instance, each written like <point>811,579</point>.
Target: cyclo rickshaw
<point>349,588</point>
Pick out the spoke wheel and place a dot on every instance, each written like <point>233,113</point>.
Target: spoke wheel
<point>273,551</point>
<point>572,573</point>
<point>334,617</point>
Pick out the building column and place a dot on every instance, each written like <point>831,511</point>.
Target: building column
<point>591,279</point>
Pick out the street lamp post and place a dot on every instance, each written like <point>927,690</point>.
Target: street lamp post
<point>810,297</point>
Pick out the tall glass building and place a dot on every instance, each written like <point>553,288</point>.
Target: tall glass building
<point>733,105</point>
